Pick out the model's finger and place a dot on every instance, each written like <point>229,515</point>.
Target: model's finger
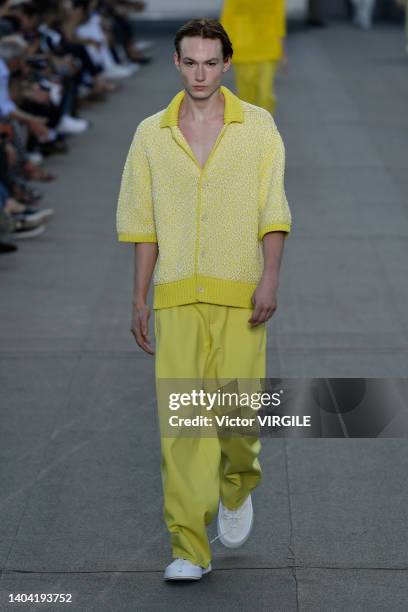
<point>255,314</point>
<point>143,325</point>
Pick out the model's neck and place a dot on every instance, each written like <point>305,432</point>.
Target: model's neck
<point>201,110</point>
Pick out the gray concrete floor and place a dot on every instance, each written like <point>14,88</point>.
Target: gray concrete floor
<point>80,501</point>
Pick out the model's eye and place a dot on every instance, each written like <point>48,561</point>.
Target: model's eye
<point>212,63</point>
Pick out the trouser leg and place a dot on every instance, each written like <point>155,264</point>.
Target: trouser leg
<point>245,80</point>
<point>266,86</point>
<point>255,82</point>
<point>189,465</point>
<point>238,353</point>
<point>205,341</point>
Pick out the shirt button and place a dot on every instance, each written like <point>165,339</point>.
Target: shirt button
<point>204,217</point>
<point>202,253</point>
<point>200,289</point>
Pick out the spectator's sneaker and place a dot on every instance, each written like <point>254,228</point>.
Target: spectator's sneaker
<point>118,71</point>
<point>35,157</point>
<point>234,526</point>
<point>182,569</point>
<point>143,45</point>
<point>6,246</point>
<point>131,67</point>
<point>72,125</point>
<point>33,217</point>
<point>23,232</point>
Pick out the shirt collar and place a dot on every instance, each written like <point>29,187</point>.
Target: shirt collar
<point>233,109</point>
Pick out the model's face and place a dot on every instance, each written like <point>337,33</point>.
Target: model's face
<point>201,65</point>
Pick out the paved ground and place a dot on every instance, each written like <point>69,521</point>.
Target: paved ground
<point>80,501</point>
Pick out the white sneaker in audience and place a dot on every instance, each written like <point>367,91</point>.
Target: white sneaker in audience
<point>143,45</point>
<point>132,67</point>
<point>72,125</point>
<point>118,71</point>
<point>35,157</point>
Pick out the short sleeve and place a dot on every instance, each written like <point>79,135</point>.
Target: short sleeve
<point>274,212</point>
<point>134,215</point>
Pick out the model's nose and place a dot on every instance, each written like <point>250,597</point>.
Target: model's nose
<point>200,74</point>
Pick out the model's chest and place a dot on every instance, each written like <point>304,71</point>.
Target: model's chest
<point>201,138</point>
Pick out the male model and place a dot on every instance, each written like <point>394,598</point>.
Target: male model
<point>257,30</point>
<point>202,196</point>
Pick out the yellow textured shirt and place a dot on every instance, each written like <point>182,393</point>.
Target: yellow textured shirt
<point>256,29</point>
<point>208,222</point>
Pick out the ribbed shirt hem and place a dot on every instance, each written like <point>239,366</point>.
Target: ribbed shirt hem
<point>203,289</point>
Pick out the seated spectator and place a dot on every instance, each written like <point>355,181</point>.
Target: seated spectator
<point>88,28</point>
<point>54,57</point>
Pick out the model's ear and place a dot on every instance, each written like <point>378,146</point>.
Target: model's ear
<point>176,60</point>
<point>227,64</point>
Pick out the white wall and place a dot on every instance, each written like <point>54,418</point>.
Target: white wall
<point>168,9</point>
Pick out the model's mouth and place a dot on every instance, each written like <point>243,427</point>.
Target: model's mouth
<point>199,86</point>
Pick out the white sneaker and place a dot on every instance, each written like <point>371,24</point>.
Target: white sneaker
<point>143,45</point>
<point>118,71</point>
<point>182,569</point>
<point>35,157</point>
<point>132,68</point>
<point>42,215</point>
<point>72,125</point>
<point>234,526</point>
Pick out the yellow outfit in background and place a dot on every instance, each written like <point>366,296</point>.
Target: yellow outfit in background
<point>256,29</point>
<point>205,341</point>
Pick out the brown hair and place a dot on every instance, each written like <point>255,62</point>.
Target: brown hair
<point>206,28</point>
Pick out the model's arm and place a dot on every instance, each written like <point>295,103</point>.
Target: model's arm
<point>264,298</point>
<point>145,260</point>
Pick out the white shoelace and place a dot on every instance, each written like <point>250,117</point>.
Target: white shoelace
<point>232,517</point>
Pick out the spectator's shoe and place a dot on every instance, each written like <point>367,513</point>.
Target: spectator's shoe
<point>6,246</point>
<point>22,231</point>
<point>7,223</point>
<point>33,217</point>
<point>182,569</point>
<point>117,71</point>
<point>143,45</point>
<point>57,146</point>
<point>72,125</point>
<point>35,157</point>
<point>234,526</point>
<point>132,67</point>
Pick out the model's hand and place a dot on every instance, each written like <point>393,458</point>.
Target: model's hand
<point>264,301</point>
<point>140,327</point>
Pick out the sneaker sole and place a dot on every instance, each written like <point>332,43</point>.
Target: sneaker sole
<point>205,571</point>
<point>29,233</point>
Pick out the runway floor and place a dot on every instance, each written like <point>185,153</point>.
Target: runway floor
<point>80,500</point>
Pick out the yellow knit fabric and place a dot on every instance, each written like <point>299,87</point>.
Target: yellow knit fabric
<point>208,222</point>
<point>256,28</point>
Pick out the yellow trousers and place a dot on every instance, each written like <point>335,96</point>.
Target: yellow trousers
<point>255,82</point>
<point>205,341</point>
